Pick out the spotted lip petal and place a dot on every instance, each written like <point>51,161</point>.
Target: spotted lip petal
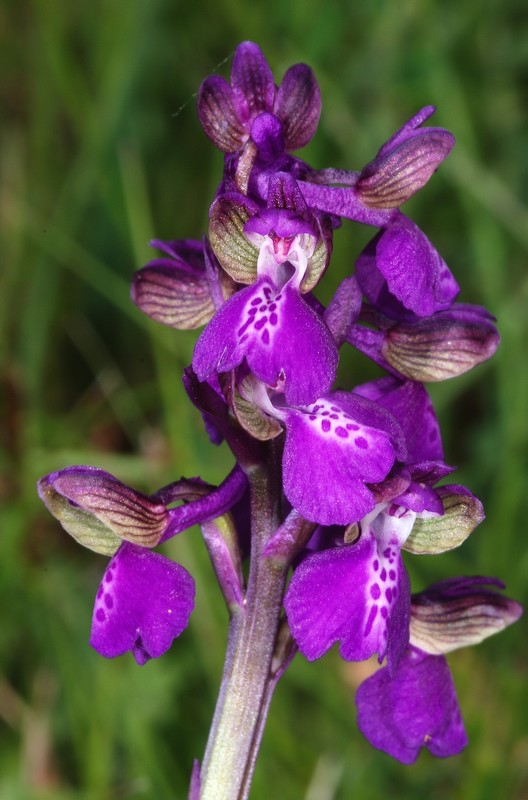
<point>357,595</point>
<point>331,452</point>
<point>278,334</point>
<point>144,602</point>
<point>416,707</point>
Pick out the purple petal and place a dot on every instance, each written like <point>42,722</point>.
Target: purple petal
<point>406,130</point>
<point>298,106</point>
<point>266,133</point>
<point>188,253</point>
<point>419,498</point>
<point>218,115</point>
<point>343,202</point>
<point>413,270</point>
<point>343,309</point>
<point>284,193</point>
<point>329,456</point>
<point>348,594</point>
<point>416,708</point>
<point>143,603</point>
<point>218,502</point>
<point>278,334</point>
<point>410,404</point>
<point>252,82</point>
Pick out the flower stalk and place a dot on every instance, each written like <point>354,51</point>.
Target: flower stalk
<point>248,678</point>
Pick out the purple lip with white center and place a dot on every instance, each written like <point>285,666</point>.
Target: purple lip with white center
<point>278,334</point>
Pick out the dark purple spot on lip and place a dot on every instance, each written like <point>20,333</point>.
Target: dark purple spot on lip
<point>388,594</point>
<point>279,297</point>
<point>244,338</point>
<point>359,441</point>
<point>392,574</point>
<point>383,574</point>
<point>351,427</point>
<point>324,413</point>
<point>375,591</point>
<point>312,416</point>
<point>256,301</point>
<point>100,614</point>
<point>273,319</point>
<point>252,311</point>
<point>384,612</point>
<point>109,577</point>
<point>260,323</point>
<point>341,432</point>
<point>273,306</point>
<point>334,416</point>
<point>316,408</point>
<point>387,552</point>
<point>335,408</point>
<point>375,565</point>
<point>265,336</point>
<point>326,425</point>
<point>263,308</point>
<point>100,592</point>
<point>109,601</point>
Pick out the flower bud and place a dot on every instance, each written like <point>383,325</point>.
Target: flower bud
<point>99,511</point>
<point>434,534</point>
<point>442,346</point>
<point>458,613</point>
<point>404,164</point>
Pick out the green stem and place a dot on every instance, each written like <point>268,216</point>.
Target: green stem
<point>248,679</point>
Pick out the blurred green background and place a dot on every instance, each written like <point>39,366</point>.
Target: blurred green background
<point>101,150</point>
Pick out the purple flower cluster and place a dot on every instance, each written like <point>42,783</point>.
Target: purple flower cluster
<point>360,469</point>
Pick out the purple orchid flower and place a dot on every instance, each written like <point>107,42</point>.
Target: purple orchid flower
<point>143,603</point>
<point>416,708</point>
<point>359,594</point>
<point>401,168</point>
<point>280,336</point>
<point>415,705</point>
<point>145,600</point>
<point>333,449</point>
<point>253,108</point>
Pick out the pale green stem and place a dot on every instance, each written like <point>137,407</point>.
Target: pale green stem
<point>248,677</point>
